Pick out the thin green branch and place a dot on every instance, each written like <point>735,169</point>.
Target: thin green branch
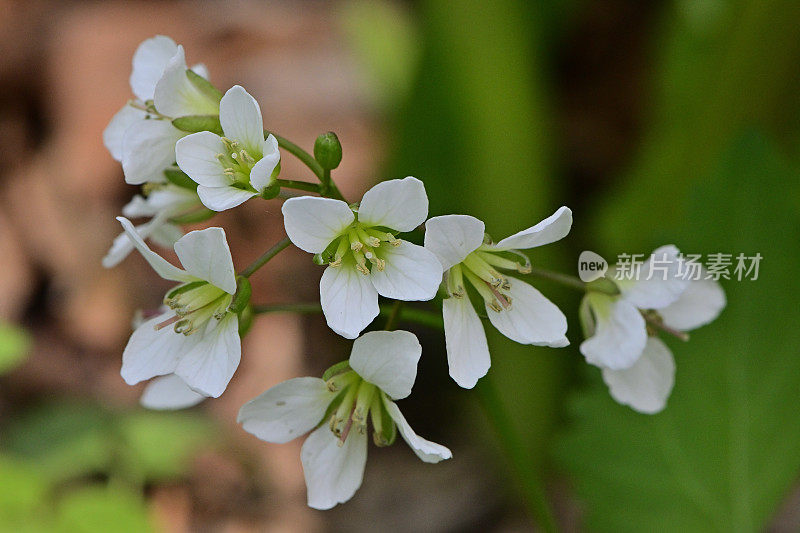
<point>521,461</point>
<point>563,279</point>
<point>307,159</point>
<point>269,254</point>
<point>299,185</point>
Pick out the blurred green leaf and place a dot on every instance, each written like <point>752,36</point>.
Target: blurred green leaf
<point>22,491</point>
<point>67,440</point>
<point>14,344</point>
<point>720,66</point>
<point>64,439</point>
<point>725,451</point>
<point>159,445</point>
<point>384,39</point>
<point>102,509</point>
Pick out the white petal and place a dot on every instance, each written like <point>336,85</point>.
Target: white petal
<point>701,302</point>
<point>532,318</point>
<point>149,62</point>
<point>176,96</point>
<point>222,198</point>
<point>163,268</point>
<point>196,155</point>
<point>646,385</point>
<point>453,237</point>
<point>201,70</point>
<point>387,359</point>
<point>467,349</point>
<point>205,254</point>
<point>401,205</point>
<point>170,198</point>
<point>169,392</point>
<point>123,245</point>
<point>166,235</point>
<point>551,229</point>
<point>115,131</point>
<point>333,474</point>
<point>148,147</point>
<point>240,117</point>
<point>620,333</point>
<point>261,173</point>
<point>152,352</point>
<point>349,300</point>
<point>287,410</point>
<point>428,451</point>
<point>659,283</point>
<point>313,223</point>
<point>412,273</point>
<point>210,364</point>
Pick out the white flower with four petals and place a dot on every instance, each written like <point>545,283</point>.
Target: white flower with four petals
<point>232,168</point>
<point>141,135</point>
<point>364,256</point>
<point>382,368</point>
<point>638,368</point>
<point>515,308</point>
<point>197,339</point>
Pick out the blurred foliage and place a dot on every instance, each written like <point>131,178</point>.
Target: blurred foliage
<point>720,66</point>
<point>723,454</point>
<point>78,467</point>
<point>14,344</point>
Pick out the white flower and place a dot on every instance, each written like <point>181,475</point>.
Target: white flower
<point>516,309</point>
<point>639,369</point>
<point>202,347</point>
<point>382,368</point>
<point>141,135</point>
<point>237,166</point>
<point>364,257</point>
<point>163,203</point>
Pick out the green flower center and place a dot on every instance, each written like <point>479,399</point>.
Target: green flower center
<point>361,246</point>
<point>237,162</point>
<point>195,304</point>
<point>482,269</point>
<point>357,403</point>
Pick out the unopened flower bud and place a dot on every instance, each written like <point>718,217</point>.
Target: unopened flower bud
<point>328,150</point>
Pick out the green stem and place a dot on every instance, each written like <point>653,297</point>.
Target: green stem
<point>269,254</point>
<point>299,185</point>
<point>394,315</point>
<point>521,462</point>
<point>329,188</point>
<point>563,279</point>
<point>415,316</point>
<point>307,159</point>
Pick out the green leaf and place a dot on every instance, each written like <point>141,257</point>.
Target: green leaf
<point>724,453</point>
<point>159,445</point>
<point>14,344</point>
<point>64,440</point>
<point>102,509</point>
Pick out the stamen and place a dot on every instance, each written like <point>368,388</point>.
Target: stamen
<point>501,262</point>
<point>361,262</point>
<point>167,322</point>
<point>455,282</point>
<point>369,240</point>
<point>355,243</point>
<point>487,292</point>
<point>379,263</point>
<point>484,271</point>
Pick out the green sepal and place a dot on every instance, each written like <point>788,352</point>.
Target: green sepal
<point>271,191</point>
<point>328,150</point>
<point>339,368</point>
<point>245,320</point>
<point>177,177</point>
<point>195,216</point>
<point>603,285</point>
<point>327,255</point>
<point>204,86</point>
<point>195,123</point>
<point>186,287</point>
<point>242,297</point>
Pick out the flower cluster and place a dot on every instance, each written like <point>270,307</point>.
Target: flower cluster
<point>196,151</point>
